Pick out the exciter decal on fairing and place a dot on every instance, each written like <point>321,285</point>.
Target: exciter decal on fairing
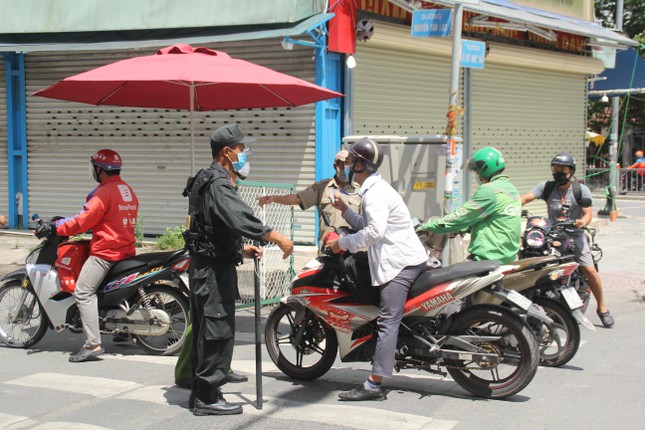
<point>338,319</point>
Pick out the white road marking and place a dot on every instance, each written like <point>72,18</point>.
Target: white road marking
<point>150,359</point>
<point>159,394</point>
<point>358,417</point>
<point>98,387</point>
<point>62,425</point>
<point>16,421</point>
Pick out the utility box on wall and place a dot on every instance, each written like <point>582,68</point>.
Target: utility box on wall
<point>415,167</point>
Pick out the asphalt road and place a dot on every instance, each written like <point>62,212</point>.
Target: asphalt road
<point>600,388</point>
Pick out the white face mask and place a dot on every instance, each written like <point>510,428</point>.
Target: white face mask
<point>342,173</point>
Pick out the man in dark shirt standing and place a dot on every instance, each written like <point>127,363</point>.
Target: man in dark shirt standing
<point>218,221</point>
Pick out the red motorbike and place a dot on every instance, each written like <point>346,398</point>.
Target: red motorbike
<point>487,349</point>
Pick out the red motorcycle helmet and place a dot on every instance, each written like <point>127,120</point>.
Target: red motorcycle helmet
<point>107,160</point>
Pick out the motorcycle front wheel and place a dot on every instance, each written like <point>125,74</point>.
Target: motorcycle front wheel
<point>177,306</point>
<point>22,320</point>
<point>300,344</point>
<point>559,341</point>
<point>515,346</point>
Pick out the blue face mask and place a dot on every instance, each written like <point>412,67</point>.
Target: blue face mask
<point>343,175</point>
<point>242,159</point>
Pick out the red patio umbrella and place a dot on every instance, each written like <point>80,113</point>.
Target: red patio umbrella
<point>183,77</point>
<point>180,77</point>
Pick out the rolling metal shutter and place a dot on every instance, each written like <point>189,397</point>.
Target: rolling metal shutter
<point>155,143</point>
<point>400,84</point>
<point>530,105</point>
<point>4,172</point>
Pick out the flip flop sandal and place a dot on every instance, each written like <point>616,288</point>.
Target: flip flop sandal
<point>86,354</point>
<point>606,319</point>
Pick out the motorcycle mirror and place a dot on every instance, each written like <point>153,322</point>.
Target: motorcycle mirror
<point>525,213</point>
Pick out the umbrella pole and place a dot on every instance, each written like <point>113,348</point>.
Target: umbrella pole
<point>258,335</point>
<point>192,129</point>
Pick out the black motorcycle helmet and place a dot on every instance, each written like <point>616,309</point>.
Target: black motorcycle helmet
<point>564,159</point>
<point>367,151</point>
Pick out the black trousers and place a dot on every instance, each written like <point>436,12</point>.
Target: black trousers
<point>213,290</point>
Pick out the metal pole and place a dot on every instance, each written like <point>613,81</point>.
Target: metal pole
<point>258,333</point>
<point>457,20</point>
<point>192,128</point>
<point>613,157</point>
<point>613,134</point>
<point>453,113</point>
<point>453,108</point>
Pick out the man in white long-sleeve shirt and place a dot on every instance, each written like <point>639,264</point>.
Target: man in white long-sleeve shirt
<point>396,256</point>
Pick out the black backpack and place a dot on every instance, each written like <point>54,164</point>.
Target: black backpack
<point>577,192</point>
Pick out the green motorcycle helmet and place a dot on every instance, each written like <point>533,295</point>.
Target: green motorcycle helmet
<point>486,162</point>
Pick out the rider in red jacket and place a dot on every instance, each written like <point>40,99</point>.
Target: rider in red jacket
<point>111,213</point>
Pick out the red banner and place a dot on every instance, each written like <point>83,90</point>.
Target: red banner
<point>342,27</point>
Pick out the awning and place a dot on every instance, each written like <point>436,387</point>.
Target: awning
<point>627,76</point>
<point>547,20</point>
<point>152,39</point>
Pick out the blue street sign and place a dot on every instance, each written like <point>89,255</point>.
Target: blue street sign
<point>472,54</point>
<point>431,23</point>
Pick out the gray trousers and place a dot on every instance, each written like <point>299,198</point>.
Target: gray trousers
<point>91,276</point>
<point>393,297</point>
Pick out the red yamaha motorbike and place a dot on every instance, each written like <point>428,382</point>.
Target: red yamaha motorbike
<point>487,349</point>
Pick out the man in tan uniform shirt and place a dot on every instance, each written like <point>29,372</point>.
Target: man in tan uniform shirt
<point>318,194</point>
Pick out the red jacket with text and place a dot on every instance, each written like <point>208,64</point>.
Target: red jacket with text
<point>111,213</point>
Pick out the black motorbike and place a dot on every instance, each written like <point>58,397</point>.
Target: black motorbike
<point>543,237</point>
<point>143,297</point>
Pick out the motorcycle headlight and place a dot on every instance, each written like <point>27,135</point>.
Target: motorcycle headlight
<point>535,239</point>
<point>538,222</point>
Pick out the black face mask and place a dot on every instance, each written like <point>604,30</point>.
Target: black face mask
<point>560,178</point>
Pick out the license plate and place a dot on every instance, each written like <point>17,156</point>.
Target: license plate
<point>518,299</point>
<point>571,297</point>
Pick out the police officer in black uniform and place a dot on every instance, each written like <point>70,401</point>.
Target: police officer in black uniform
<point>218,219</point>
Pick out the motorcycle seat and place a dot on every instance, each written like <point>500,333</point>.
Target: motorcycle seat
<point>430,278</point>
<point>152,259</point>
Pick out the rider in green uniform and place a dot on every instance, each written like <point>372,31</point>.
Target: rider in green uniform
<point>493,213</point>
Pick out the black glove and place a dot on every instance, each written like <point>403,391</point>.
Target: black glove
<point>45,230</point>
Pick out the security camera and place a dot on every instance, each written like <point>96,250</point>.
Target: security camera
<point>364,29</point>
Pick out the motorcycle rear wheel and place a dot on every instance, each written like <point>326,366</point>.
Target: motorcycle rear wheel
<point>559,341</point>
<point>517,350</point>
<point>29,325</point>
<point>309,359</point>
<point>177,306</point>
